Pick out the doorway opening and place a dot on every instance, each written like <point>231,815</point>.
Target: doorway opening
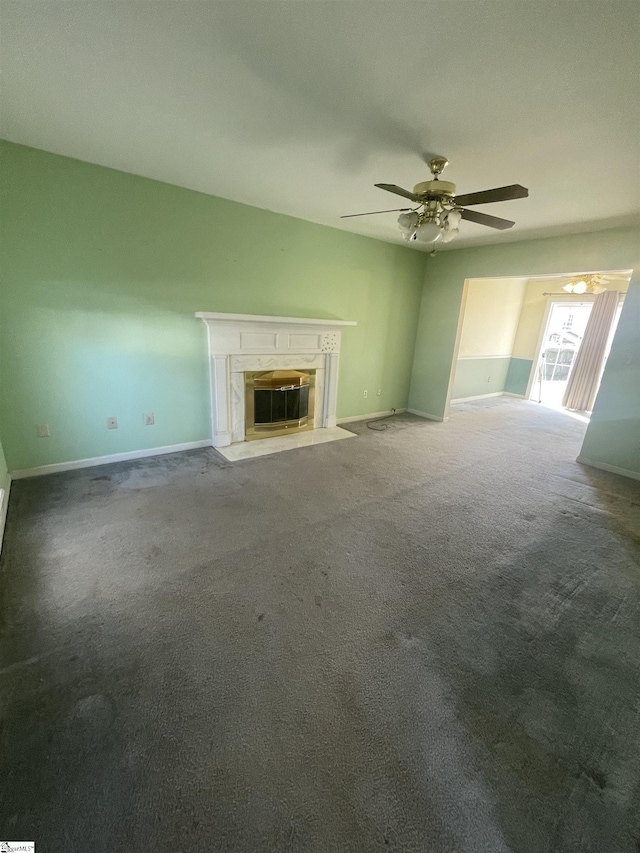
<point>520,337</point>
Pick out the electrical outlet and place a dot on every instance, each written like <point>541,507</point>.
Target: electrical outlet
<point>365,394</point>
<point>112,423</point>
<point>379,392</point>
<point>149,419</point>
<point>488,379</point>
<point>43,430</point>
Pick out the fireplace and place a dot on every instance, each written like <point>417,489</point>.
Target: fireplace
<point>240,344</point>
<point>278,402</point>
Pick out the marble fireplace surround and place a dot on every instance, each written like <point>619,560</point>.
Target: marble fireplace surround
<point>242,342</point>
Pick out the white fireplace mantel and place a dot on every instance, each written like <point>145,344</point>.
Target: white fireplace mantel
<point>243,342</point>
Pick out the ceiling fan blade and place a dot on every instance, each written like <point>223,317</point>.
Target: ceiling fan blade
<point>392,188</point>
<point>485,219</point>
<point>371,212</point>
<point>497,194</point>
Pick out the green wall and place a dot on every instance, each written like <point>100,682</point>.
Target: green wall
<point>102,271</point>
<point>613,434</point>
<point>518,375</point>
<point>478,376</point>
<point>444,281</point>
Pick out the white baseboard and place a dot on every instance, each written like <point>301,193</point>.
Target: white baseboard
<point>485,396</point>
<point>58,467</point>
<point>427,415</point>
<point>370,415</point>
<point>612,469</point>
<point>4,505</point>
<point>478,397</point>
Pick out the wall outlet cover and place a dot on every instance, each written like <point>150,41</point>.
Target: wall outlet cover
<point>149,419</point>
<point>365,394</point>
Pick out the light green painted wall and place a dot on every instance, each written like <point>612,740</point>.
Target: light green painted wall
<point>102,271</point>
<point>613,434</point>
<point>444,281</point>
<point>478,376</point>
<point>518,375</point>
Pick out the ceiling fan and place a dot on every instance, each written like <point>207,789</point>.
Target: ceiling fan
<point>595,284</point>
<point>439,210</point>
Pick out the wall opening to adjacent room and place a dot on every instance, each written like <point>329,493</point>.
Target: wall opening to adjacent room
<point>508,343</point>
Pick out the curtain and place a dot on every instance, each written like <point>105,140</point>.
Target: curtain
<point>587,365</point>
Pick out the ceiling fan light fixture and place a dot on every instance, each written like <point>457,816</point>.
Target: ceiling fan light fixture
<point>585,284</point>
<point>452,220</point>
<point>408,221</point>
<point>449,234</point>
<point>428,232</point>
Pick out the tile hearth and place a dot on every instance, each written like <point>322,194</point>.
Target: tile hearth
<point>266,446</point>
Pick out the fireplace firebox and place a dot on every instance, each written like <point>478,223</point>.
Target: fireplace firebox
<point>278,402</point>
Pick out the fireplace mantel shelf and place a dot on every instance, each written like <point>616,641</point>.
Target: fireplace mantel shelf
<point>240,343</point>
<point>264,318</point>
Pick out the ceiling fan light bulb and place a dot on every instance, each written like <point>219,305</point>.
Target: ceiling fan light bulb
<point>428,232</point>
<point>580,287</point>
<point>408,221</point>
<point>453,219</point>
<point>449,235</point>
<point>568,287</point>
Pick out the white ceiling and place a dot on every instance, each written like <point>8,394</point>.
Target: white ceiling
<point>301,106</point>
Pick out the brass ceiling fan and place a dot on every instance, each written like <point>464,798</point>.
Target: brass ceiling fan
<point>439,210</point>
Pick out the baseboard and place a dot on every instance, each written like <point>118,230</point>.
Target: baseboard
<point>612,469</point>
<point>478,397</point>
<point>426,415</point>
<point>4,505</point>
<point>485,396</point>
<point>370,415</point>
<point>58,467</point>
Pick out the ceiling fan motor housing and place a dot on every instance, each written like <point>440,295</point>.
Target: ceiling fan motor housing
<point>435,188</point>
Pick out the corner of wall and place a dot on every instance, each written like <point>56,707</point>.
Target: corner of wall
<point>612,439</point>
<point>4,506</point>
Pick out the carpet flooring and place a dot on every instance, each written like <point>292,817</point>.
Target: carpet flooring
<point>426,639</point>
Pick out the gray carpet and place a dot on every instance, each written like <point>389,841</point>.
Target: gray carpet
<point>426,639</point>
